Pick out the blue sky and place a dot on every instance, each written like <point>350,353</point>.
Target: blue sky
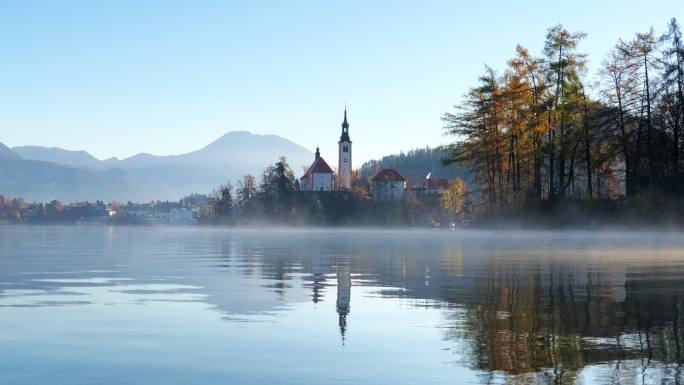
<point>117,78</point>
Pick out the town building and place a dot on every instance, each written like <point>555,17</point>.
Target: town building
<point>197,201</point>
<point>319,176</point>
<point>201,204</point>
<point>388,185</point>
<point>182,216</point>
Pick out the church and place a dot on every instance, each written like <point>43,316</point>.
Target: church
<point>320,177</point>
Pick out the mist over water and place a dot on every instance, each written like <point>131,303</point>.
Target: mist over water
<point>127,305</point>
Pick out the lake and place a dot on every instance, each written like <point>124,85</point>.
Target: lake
<point>132,305</point>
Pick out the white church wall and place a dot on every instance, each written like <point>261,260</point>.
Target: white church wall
<point>322,182</point>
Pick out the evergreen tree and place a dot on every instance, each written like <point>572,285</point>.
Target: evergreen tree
<point>223,203</point>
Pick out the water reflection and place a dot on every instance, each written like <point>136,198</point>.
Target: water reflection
<point>343,293</point>
<point>557,318</point>
<point>557,308</point>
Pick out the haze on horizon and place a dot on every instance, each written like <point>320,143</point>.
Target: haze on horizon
<point>120,78</point>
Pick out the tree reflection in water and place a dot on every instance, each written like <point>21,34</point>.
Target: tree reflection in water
<point>538,315</point>
<point>546,322</point>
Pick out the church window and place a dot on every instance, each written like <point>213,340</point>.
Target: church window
<point>345,149</point>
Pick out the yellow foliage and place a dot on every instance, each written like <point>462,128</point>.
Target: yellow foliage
<point>453,200</point>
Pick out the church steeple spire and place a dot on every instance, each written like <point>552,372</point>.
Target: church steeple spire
<point>344,123</point>
<point>344,165</point>
<point>345,128</point>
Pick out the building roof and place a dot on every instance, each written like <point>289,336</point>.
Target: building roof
<point>437,184</point>
<point>388,175</point>
<point>318,167</point>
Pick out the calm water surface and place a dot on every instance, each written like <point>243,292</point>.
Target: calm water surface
<point>102,305</point>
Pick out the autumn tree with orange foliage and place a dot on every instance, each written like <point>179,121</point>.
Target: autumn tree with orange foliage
<point>547,130</point>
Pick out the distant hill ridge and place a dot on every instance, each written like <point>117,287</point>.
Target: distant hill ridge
<point>45,173</point>
<point>416,164</point>
<point>7,154</point>
<point>242,141</point>
<point>59,156</point>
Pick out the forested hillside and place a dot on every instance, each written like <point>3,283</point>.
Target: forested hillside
<point>416,164</point>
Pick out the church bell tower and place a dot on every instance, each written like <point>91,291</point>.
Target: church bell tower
<point>344,168</point>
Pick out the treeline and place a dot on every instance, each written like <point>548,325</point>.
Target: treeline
<point>544,131</point>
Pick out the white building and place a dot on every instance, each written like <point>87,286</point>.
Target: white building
<point>344,166</point>
<point>388,186</point>
<point>182,215</point>
<point>319,176</point>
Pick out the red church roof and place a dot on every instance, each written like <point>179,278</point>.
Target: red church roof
<point>388,175</point>
<point>318,167</point>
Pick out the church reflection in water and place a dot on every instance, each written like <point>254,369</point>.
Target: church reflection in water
<point>343,293</point>
<point>539,318</point>
<point>321,270</point>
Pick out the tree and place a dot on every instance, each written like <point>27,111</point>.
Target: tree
<point>564,68</point>
<point>641,51</point>
<point>587,143</point>
<point>477,122</point>
<point>278,180</point>
<point>223,203</point>
<point>619,90</point>
<point>530,71</point>
<point>674,78</point>
<point>246,190</point>
<point>359,183</point>
<point>455,198</point>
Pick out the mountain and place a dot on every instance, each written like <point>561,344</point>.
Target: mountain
<point>224,160</point>
<point>42,181</point>
<point>59,156</point>
<point>416,164</point>
<point>7,154</point>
